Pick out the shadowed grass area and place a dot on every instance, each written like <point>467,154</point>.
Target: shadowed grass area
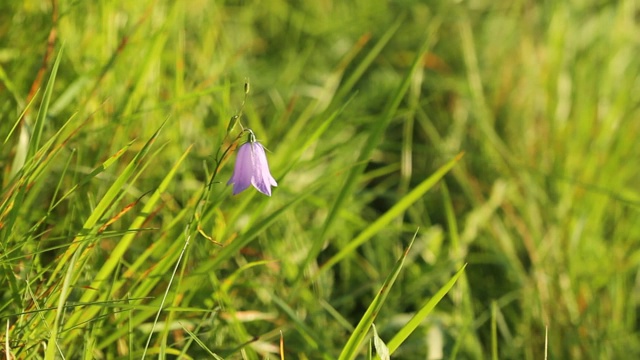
<point>462,175</point>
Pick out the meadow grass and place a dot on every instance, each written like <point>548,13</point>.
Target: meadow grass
<point>456,180</point>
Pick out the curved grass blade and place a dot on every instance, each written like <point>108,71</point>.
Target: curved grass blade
<point>371,56</point>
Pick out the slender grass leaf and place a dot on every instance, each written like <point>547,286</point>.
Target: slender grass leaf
<point>34,142</point>
<point>363,65</point>
<point>201,343</point>
<point>424,311</point>
<point>18,121</point>
<point>494,331</point>
<point>53,347</point>
<point>308,334</point>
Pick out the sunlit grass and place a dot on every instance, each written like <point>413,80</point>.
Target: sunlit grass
<point>114,121</point>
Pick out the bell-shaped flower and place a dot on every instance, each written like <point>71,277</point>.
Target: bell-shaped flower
<point>252,169</point>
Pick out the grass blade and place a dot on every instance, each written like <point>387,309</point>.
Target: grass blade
<point>53,345</point>
<point>391,214</point>
<point>202,344</point>
<point>118,252</point>
<point>34,142</point>
<point>365,154</point>
<point>352,346</point>
<point>424,311</point>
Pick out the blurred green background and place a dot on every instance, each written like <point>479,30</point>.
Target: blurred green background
<point>543,98</point>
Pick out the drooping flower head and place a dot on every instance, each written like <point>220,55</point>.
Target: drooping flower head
<point>252,168</point>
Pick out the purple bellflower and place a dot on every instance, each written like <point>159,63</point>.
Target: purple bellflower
<point>252,168</point>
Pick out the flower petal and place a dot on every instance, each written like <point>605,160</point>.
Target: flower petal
<point>262,179</point>
<point>243,170</point>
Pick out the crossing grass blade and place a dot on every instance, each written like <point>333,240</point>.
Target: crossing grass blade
<point>89,228</point>
<point>373,139</point>
<point>202,344</point>
<point>413,196</point>
<point>53,346</point>
<point>353,345</point>
<point>118,252</point>
<point>422,313</point>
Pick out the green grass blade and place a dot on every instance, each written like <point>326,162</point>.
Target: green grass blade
<point>424,311</point>
<point>93,218</point>
<point>312,138</point>
<point>308,334</point>
<point>494,331</point>
<point>202,344</point>
<point>53,347</point>
<point>36,135</point>
<point>351,348</point>
<point>118,252</point>
<point>357,73</point>
<point>18,120</point>
<point>11,87</point>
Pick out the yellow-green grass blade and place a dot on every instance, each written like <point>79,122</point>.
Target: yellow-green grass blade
<point>118,252</point>
<point>202,344</point>
<point>24,189</point>
<point>17,122</point>
<point>494,331</point>
<point>89,227</point>
<point>424,311</point>
<point>150,59</point>
<point>351,348</point>
<point>12,88</point>
<point>297,150</point>
<point>95,215</point>
<point>53,346</point>
<point>204,321</point>
<point>301,126</point>
<point>34,141</point>
<point>89,234</point>
<point>464,299</point>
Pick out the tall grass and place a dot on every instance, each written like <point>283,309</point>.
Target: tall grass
<point>462,175</point>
